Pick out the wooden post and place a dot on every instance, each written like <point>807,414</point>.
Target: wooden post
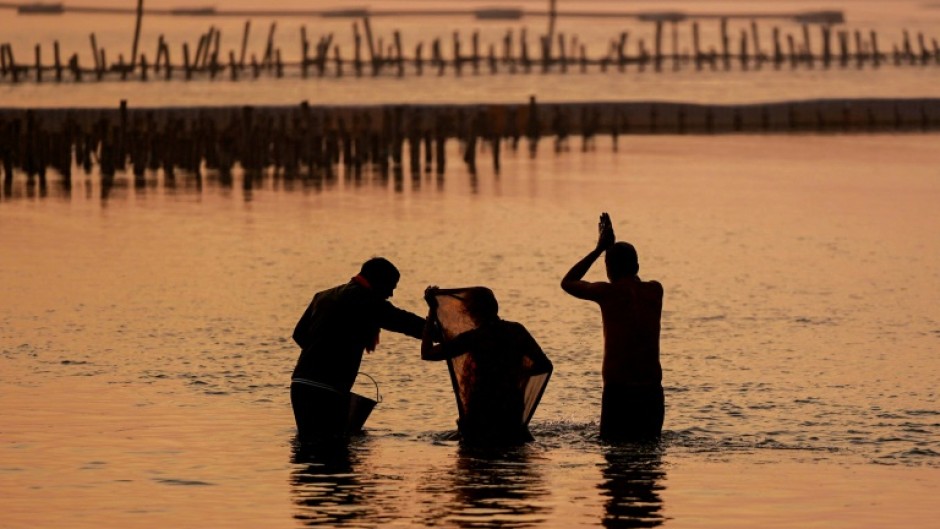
<point>371,44</point>
<point>524,51</point>
<point>743,57</point>
<point>562,53</point>
<point>791,47</point>
<point>400,57</point>
<point>143,67</point>
<point>778,53</point>
<point>38,63</point>
<point>807,47</point>
<point>214,62</point>
<point>167,63</point>
<point>924,54</point>
<point>658,45</point>
<point>268,59</point>
<point>140,17</point>
<point>440,133</point>
<point>458,60</point>
<point>758,53</point>
<point>696,47</point>
<point>844,47</point>
<point>908,52</point>
<point>476,52</point>
<point>827,45</point>
<point>233,65</point>
<point>339,61</point>
<point>533,131</point>
<point>241,56</point>
<point>357,50</point>
<point>492,59</point>
<point>304,49</point>
<point>58,61</point>
<point>547,42</point>
<point>187,67</point>
<point>94,52</point>
<point>75,68</point>
<point>621,50</point>
<point>419,62</point>
<point>861,53</point>
<point>103,64</point>
<point>507,51</point>
<point>158,55</point>
<point>675,44</point>
<point>725,51</point>
<point>197,56</point>
<point>875,54</point>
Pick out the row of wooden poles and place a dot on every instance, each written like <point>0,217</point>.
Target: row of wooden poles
<point>307,140</point>
<point>558,53</point>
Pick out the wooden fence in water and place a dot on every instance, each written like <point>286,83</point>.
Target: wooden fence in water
<point>829,48</point>
<point>306,140</point>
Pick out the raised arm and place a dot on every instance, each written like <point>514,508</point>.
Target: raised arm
<point>572,282</point>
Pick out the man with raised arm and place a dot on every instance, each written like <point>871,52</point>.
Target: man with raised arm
<point>633,405</point>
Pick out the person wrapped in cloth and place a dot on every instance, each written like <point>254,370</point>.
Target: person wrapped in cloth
<point>338,326</point>
<point>498,369</point>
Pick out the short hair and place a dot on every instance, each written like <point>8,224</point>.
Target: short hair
<point>481,304</point>
<point>380,272</point>
<point>622,260</point>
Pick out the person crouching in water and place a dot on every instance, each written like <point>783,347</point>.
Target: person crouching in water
<point>502,357</point>
<point>338,326</point>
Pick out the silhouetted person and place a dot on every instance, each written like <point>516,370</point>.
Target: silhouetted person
<point>341,323</point>
<point>502,356</point>
<point>631,309</point>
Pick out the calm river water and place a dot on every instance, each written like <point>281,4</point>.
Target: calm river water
<point>145,347</point>
<point>144,339</point>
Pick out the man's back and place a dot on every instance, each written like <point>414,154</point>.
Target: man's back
<point>631,311</point>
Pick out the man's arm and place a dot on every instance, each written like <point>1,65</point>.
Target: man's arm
<point>401,321</point>
<point>572,282</point>
<point>444,350</point>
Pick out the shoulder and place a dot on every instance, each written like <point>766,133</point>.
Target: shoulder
<point>514,327</point>
<point>653,287</point>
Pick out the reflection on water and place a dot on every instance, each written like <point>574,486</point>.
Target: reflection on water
<point>487,488</point>
<point>329,485</point>
<point>182,182</point>
<point>633,476</point>
<point>336,485</point>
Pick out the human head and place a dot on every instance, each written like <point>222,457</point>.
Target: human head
<point>382,275</point>
<point>481,304</point>
<point>622,261</point>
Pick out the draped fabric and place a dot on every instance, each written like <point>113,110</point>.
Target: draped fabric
<point>451,316</point>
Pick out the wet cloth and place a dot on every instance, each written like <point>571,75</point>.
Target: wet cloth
<point>631,413</point>
<point>498,371</point>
